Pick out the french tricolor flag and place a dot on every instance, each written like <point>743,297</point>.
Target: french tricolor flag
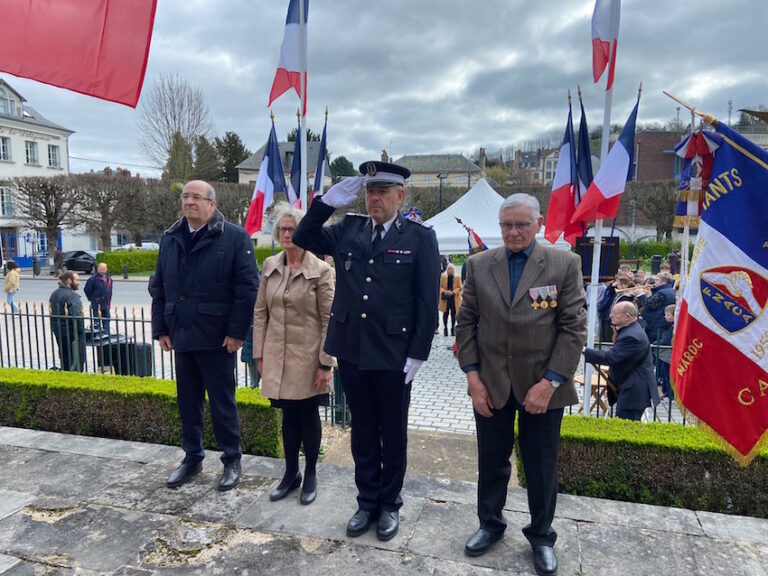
<point>562,202</point>
<point>289,68</point>
<point>604,194</point>
<point>604,39</point>
<point>271,179</point>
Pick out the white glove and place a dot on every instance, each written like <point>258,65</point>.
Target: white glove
<point>344,192</point>
<point>411,367</point>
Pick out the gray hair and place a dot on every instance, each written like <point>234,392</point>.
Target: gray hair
<point>294,213</point>
<point>521,199</point>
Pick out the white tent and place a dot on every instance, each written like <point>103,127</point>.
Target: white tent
<point>478,209</point>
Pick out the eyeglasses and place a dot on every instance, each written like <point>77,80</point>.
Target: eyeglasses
<point>509,226</point>
<point>195,197</point>
<point>290,231</point>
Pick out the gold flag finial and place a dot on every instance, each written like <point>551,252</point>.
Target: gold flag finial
<point>578,89</point>
<point>708,118</point>
<point>326,113</point>
<point>569,97</point>
<point>272,116</point>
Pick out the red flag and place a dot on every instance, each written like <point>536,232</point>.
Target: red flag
<point>95,47</point>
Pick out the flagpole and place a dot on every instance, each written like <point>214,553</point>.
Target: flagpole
<point>686,231</point>
<point>598,231</point>
<point>303,94</point>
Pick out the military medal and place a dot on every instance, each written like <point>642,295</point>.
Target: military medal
<point>544,304</point>
<point>534,293</point>
<point>552,294</point>
<point>535,305</point>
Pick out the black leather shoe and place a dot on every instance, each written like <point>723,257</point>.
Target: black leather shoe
<point>183,473</point>
<point>285,488</point>
<point>308,490</point>
<point>479,543</point>
<point>359,523</point>
<point>544,560</point>
<point>230,477</point>
<point>389,523</point>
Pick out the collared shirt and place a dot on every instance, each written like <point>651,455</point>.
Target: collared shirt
<point>517,262</point>
<point>387,225</point>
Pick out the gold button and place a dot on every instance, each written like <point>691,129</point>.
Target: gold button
<point>363,316</point>
<point>368,279</point>
<point>370,261</point>
<point>365,296</point>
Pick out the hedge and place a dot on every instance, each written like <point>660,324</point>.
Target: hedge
<point>122,407</point>
<point>657,463</point>
<point>144,260</point>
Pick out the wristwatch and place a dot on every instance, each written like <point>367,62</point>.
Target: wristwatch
<point>555,383</point>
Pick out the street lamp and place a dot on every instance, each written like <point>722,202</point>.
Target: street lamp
<point>441,176</point>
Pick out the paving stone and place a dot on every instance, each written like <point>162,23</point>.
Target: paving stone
<point>11,502</point>
<point>84,538</point>
<point>327,517</point>
<point>444,528</point>
<point>743,528</point>
<point>7,562</point>
<point>628,514</point>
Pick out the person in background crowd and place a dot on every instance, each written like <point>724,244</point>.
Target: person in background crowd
<point>58,262</point>
<point>11,284</point>
<point>67,322</point>
<point>203,292</point>
<point>290,322</point>
<point>662,295</point>
<point>381,328</point>
<point>450,297</point>
<point>630,363</point>
<point>640,277</point>
<point>665,339</point>
<point>520,331</point>
<point>98,290</point>
<point>444,261</point>
<point>674,263</point>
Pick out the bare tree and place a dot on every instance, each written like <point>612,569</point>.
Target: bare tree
<point>101,202</point>
<point>657,201</point>
<point>233,201</point>
<point>171,106</point>
<point>45,204</point>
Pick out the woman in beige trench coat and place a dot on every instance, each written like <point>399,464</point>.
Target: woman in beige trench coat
<point>290,321</point>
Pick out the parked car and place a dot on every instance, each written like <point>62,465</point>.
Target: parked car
<point>132,246</point>
<point>79,261</point>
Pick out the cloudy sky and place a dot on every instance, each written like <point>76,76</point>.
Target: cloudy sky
<point>420,77</point>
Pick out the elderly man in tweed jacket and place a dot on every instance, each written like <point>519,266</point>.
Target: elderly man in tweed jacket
<point>520,331</point>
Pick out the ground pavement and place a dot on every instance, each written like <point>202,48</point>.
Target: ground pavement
<point>73,505</point>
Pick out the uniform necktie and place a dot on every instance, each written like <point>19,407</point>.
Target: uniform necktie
<point>379,233</point>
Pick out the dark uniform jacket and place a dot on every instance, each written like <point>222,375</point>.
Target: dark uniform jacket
<point>98,290</point>
<point>385,307</point>
<point>202,295</point>
<point>66,302</point>
<point>637,384</point>
<point>653,309</point>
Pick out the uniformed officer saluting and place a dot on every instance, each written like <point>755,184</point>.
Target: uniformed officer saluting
<point>381,327</point>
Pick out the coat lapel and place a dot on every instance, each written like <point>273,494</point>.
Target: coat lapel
<point>500,273</point>
<point>533,268</point>
<point>365,236</point>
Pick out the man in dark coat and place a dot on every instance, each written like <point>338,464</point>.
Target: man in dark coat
<point>67,322</point>
<point>630,363</point>
<point>98,290</point>
<point>382,322</point>
<point>662,295</point>
<point>203,292</point>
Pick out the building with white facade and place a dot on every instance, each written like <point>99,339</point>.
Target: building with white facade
<point>30,145</point>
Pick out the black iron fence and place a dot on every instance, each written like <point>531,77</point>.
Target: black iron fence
<point>36,337</point>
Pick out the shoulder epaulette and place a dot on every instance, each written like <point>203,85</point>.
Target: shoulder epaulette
<point>356,214</point>
<point>421,223</point>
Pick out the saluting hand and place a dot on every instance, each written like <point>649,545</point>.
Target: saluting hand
<point>343,193</point>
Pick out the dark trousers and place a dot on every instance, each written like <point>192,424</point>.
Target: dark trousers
<point>450,308</point>
<point>100,321</point>
<point>635,415</point>
<point>378,402</point>
<point>196,374</point>
<point>539,444</point>
<point>71,351</point>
